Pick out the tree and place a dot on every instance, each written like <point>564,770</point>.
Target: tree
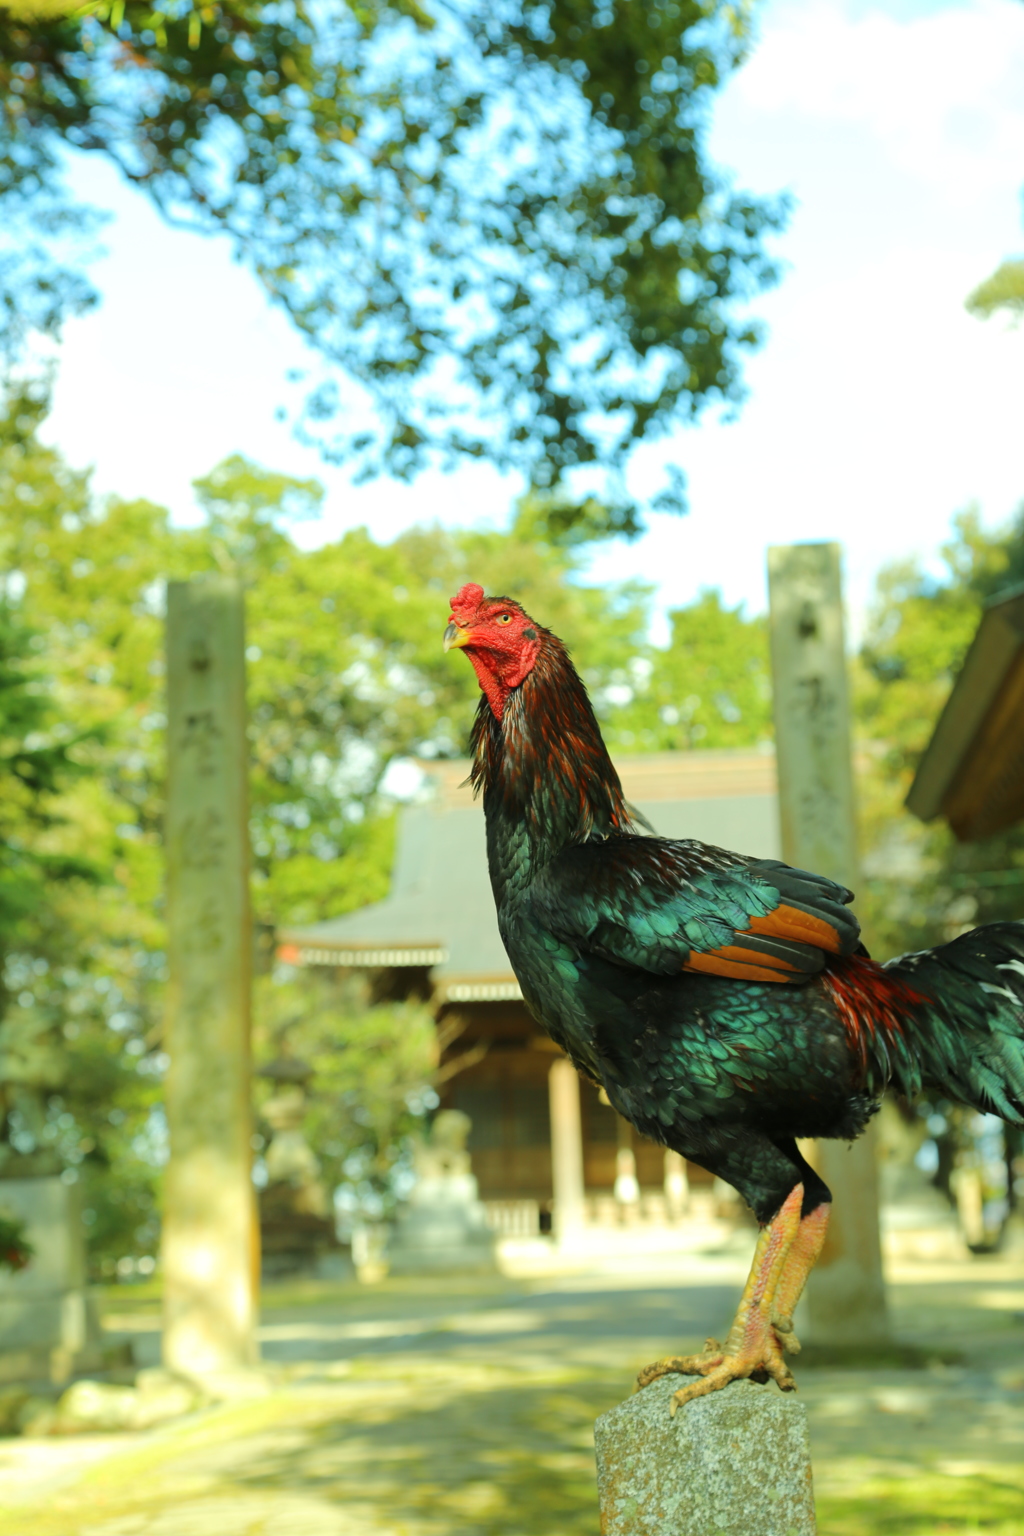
<point>924,886</point>
<point>66,1078</point>
<point>346,672</point>
<point>79,1086</point>
<point>35,763</point>
<point>496,224</point>
<point>709,688</point>
<point>345,669</point>
<point>371,1068</point>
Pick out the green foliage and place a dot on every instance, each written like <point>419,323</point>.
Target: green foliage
<point>346,674</point>
<point>48,868</point>
<point>1003,290</point>
<point>710,687</point>
<point>923,886</point>
<point>80,1039</point>
<point>35,762</point>
<point>496,224</point>
<point>920,630</point>
<point>245,507</point>
<point>372,1067</point>
<point>45,243</point>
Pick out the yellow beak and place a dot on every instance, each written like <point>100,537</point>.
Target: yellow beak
<point>455,637</point>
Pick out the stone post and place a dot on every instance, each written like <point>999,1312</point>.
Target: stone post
<point>210,1230</point>
<point>846,1292</point>
<point>48,1325</point>
<point>734,1463</point>
<point>566,1150</point>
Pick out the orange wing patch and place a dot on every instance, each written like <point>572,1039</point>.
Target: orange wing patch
<point>742,954</point>
<point>803,927</point>
<point>805,934</point>
<point>720,962</point>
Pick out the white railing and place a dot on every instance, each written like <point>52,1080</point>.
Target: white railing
<point>513,1218</point>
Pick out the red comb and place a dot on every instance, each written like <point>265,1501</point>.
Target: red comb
<point>467,600</point>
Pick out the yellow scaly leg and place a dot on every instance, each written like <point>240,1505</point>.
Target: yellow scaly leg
<point>801,1259</point>
<point>752,1346</point>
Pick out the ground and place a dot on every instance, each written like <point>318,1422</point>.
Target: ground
<point>442,1408</point>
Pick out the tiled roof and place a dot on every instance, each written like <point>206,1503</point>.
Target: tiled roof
<point>440,912</point>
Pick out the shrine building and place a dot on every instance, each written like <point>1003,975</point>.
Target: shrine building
<point>534,1132</point>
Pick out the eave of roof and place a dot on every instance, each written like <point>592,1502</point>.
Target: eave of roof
<point>972,772</point>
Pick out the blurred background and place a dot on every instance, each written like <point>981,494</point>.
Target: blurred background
<point>590,303</point>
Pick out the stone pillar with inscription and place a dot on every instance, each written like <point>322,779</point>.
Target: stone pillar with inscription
<point>210,1230</point>
<point>846,1292</point>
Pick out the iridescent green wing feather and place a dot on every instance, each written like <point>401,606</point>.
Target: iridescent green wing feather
<point>666,906</point>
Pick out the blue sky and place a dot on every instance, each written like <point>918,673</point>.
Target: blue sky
<point>877,409</point>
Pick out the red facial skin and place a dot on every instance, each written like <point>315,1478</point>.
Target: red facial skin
<point>501,641</point>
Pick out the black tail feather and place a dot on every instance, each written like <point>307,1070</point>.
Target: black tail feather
<point>967,1035</point>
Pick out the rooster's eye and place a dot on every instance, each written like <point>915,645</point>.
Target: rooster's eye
<point>504,618</point>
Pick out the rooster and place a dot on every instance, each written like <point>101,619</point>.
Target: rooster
<point>725,1004</point>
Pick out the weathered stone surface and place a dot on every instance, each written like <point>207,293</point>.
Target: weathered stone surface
<point>734,1463</point>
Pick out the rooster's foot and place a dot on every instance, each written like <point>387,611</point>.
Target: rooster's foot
<point>751,1364</point>
<point>761,1329</point>
<point>715,1368</point>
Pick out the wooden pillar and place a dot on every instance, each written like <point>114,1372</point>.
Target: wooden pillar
<point>846,1293</point>
<point>627,1190</point>
<point>566,1150</point>
<point>677,1184</point>
<point>210,1231</point>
